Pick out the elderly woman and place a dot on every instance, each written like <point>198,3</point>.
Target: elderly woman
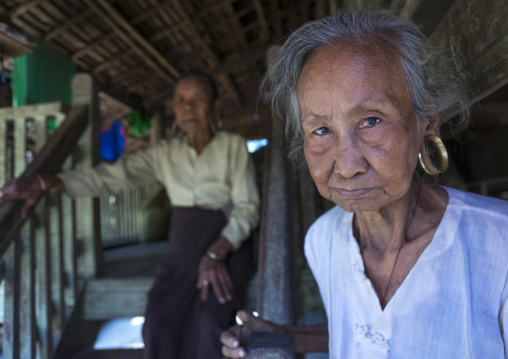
<point>210,180</point>
<point>406,268</point>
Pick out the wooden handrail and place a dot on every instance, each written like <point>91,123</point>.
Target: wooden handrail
<point>49,160</point>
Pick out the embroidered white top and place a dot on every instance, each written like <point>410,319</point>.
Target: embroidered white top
<point>222,176</point>
<point>452,304</point>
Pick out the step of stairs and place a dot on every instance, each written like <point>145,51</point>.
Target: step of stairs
<point>116,298</point>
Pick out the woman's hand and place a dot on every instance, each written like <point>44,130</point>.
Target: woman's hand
<point>24,188</point>
<point>30,189</point>
<point>236,336</point>
<point>214,273</point>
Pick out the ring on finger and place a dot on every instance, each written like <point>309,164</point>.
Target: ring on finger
<point>204,283</point>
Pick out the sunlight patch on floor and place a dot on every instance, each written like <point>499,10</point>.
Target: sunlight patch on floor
<point>122,333</point>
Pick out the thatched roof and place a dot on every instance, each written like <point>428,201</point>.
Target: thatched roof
<point>136,48</point>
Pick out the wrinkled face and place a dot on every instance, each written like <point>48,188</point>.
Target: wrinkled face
<point>362,137</point>
<point>194,106</point>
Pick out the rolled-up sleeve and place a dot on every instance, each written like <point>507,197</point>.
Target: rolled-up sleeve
<point>244,216</point>
<point>129,171</point>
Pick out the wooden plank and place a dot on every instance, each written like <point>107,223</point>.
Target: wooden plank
<point>43,288</point>
<point>46,109</point>
<point>56,258</point>
<point>19,146</point>
<point>68,24</point>
<point>11,338</point>
<point>91,45</point>
<point>116,298</point>
<point>3,150</point>
<point>88,233</point>
<point>139,38</point>
<point>476,34</point>
<point>20,10</point>
<point>106,17</point>
<point>27,328</point>
<point>69,244</point>
<point>41,130</point>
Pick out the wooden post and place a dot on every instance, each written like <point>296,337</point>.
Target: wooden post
<point>44,282</point>
<point>56,257</point>
<point>27,323</point>
<point>3,150</point>
<point>90,262</point>
<point>11,332</point>
<point>274,275</point>
<point>69,244</point>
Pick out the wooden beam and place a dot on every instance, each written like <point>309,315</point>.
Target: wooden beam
<point>226,22</point>
<point>135,47</point>
<point>153,11</point>
<point>165,3</point>
<point>226,80</point>
<point>101,40</point>
<point>69,23</point>
<point>475,32</point>
<point>138,37</point>
<point>265,33</point>
<point>25,26</point>
<point>112,60</point>
<point>20,10</point>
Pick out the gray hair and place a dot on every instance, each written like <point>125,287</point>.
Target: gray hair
<point>434,84</point>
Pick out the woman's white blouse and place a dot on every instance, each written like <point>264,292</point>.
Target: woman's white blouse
<point>222,176</point>
<point>452,304</point>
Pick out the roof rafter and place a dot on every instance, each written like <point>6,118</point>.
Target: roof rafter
<point>226,80</point>
<point>135,47</point>
<point>92,45</point>
<point>69,23</point>
<point>20,10</point>
<point>138,37</point>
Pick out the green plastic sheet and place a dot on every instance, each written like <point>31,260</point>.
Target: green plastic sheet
<point>45,75</point>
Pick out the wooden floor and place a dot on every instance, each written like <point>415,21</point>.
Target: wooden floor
<point>135,260</point>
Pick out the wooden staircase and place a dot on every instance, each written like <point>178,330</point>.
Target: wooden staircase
<point>55,274</point>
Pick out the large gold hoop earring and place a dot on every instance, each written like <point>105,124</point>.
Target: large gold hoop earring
<point>438,152</point>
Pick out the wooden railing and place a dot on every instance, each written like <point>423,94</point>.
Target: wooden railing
<point>39,253</point>
<point>47,257</point>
